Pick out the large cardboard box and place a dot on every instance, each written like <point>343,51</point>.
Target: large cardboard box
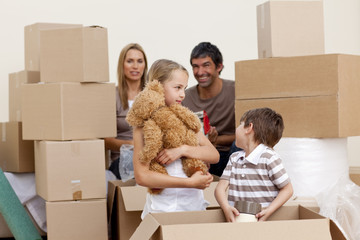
<point>32,42</point>
<point>314,94</point>
<point>70,170</point>
<point>290,28</point>
<point>289,222</point>
<point>15,81</point>
<point>68,111</point>
<point>16,154</point>
<point>74,55</point>
<point>74,220</point>
<point>126,202</point>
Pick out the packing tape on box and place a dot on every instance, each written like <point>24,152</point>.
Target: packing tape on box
<point>313,164</point>
<point>3,135</point>
<point>76,189</point>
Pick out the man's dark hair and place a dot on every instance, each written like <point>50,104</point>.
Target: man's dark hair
<point>206,49</point>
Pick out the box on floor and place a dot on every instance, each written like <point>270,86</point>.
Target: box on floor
<point>32,42</point>
<point>354,173</point>
<point>84,219</point>
<point>314,94</point>
<point>74,55</point>
<point>126,202</point>
<point>68,111</point>
<point>70,170</point>
<point>289,222</point>
<point>15,81</point>
<point>17,155</point>
<point>290,28</point>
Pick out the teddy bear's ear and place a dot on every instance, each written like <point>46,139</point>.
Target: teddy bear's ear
<point>156,86</point>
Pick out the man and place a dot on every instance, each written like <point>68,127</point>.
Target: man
<point>216,96</point>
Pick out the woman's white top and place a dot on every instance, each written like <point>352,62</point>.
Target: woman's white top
<point>175,199</point>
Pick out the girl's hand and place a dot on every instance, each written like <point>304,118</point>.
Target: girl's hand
<point>167,156</point>
<point>200,180</point>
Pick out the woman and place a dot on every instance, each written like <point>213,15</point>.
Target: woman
<point>132,70</point>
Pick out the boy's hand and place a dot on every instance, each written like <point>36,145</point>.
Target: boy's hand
<point>230,213</point>
<point>200,180</point>
<point>262,216</point>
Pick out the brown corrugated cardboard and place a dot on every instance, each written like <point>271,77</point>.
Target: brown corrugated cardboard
<point>314,94</point>
<point>354,173</point>
<point>290,28</point>
<point>289,222</point>
<point>15,81</point>
<point>68,111</point>
<point>32,42</point>
<point>84,219</point>
<point>126,202</point>
<point>16,154</point>
<point>70,170</point>
<point>74,55</point>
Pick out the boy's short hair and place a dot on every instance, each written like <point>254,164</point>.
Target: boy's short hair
<point>268,125</point>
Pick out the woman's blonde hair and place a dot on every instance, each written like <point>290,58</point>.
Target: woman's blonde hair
<point>122,85</point>
<point>162,69</point>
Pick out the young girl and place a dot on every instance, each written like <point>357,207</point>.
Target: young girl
<point>180,193</point>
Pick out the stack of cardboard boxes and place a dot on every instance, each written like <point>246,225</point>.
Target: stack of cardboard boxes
<point>67,106</point>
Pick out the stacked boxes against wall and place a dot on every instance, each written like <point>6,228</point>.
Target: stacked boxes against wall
<point>313,91</point>
<point>66,114</point>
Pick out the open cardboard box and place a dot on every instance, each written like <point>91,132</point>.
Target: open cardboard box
<point>126,202</point>
<point>289,222</point>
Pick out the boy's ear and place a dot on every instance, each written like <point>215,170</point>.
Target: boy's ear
<point>249,128</point>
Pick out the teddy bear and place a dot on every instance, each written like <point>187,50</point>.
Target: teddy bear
<point>164,127</point>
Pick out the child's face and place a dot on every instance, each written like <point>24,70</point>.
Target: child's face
<point>240,138</point>
<point>175,87</point>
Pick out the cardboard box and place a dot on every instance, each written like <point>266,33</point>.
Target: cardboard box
<point>74,55</point>
<point>68,111</point>
<point>290,28</point>
<point>17,155</point>
<point>84,219</point>
<point>354,173</point>
<point>15,81</point>
<point>70,170</point>
<point>126,203</point>
<point>32,42</point>
<point>314,94</point>
<point>289,222</point>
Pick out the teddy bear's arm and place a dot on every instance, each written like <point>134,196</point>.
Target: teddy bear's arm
<point>187,117</point>
<point>153,141</point>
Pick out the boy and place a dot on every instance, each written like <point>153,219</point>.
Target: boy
<point>256,173</point>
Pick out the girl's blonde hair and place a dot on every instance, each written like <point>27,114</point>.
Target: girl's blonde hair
<point>162,69</point>
<point>122,85</point>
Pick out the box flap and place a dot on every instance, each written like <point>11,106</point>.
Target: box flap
<point>134,197</point>
<point>146,229</point>
<point>306,213</point>
<point>336,233</point>
<point>294,230</point>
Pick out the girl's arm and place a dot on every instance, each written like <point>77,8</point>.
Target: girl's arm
<point>205,151</point>
<point>151,179</point>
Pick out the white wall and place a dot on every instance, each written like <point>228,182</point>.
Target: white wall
<point>166,29</point>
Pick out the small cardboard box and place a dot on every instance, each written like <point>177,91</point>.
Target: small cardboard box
<point>288,222</point>
<point>68,111</point>
<point>32,42</point>
<point>16,154</point>
<point>85,219</point>
<point>126,202</point>
<point>15,81</point>
<point>290,28</point>
<point>70,170</point>
<point>354,173</point>
<point>74,55</point>
<point>314,94</point>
